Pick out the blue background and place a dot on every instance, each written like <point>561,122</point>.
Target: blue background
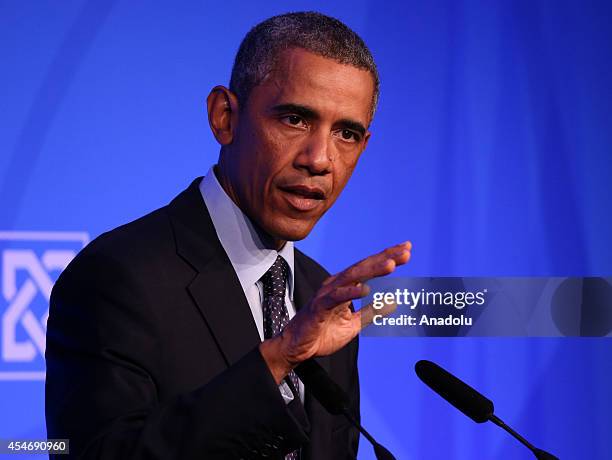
<point>491,152</point>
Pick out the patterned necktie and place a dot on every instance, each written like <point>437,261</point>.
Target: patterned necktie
<point>275,314</point>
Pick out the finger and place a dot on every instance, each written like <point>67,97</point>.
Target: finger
<point>328,280</point>
<point>366,314</point>
<point>370,266</point>
<point>400,253</point>
<point>396,252</point>
<point>342,294</point>
<point>378,265</point>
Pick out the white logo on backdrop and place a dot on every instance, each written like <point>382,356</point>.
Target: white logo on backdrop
<point>26,280</point>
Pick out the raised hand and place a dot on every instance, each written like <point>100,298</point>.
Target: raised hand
<point>327,323</point>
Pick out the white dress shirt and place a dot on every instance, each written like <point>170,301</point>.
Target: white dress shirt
<point>247,254</point>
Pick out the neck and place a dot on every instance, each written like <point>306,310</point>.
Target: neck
<point>267,240</point>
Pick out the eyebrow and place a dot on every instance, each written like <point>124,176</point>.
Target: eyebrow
<point>309,113</point>
<point>301,110</point>
<point>354,125</point>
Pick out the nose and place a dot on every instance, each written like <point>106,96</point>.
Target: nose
<point>315,154</point>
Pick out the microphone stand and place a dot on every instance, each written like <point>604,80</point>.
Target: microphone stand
<point>539,453</point>
<point>335,400</point>
<point>379,450</point>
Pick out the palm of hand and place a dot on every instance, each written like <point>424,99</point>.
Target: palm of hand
<point>331,330</point>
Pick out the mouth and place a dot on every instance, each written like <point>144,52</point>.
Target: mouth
<point>303,198</point>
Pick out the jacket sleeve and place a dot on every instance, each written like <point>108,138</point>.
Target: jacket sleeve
<point>101,389</point>
<point>354,398</point>
<point>345,438</point>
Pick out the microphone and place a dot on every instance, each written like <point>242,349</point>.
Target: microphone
<point>468,400</point>
<point>334,399</point>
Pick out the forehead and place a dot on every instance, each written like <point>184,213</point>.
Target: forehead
<point>329,87</point>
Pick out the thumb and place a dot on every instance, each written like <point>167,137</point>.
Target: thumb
<point>366,314</point>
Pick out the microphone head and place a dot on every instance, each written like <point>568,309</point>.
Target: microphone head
<point>456,392</point>
<point>333,398</point>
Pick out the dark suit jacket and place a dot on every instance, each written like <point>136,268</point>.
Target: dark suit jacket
<point>152,352</point>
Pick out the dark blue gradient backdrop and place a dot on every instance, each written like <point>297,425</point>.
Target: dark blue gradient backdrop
<point>491,151</point>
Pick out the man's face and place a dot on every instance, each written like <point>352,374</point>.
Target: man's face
<point>297,142</point>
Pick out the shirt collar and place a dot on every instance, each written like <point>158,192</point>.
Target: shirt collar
<point>239,238</point>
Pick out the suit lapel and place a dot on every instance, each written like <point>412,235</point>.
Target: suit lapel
<point>215,289</point>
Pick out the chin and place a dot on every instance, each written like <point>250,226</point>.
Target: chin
<point>292,230</point>
<point>293,235</point>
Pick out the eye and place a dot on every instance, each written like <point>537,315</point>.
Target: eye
<point>294,120</point>
<point>347,135</point>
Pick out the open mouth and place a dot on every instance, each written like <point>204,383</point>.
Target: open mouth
<point>303,198</point>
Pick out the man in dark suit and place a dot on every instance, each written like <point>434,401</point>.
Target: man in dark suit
<point>176,335</point>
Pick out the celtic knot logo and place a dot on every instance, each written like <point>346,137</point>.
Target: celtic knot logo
<point>30,262</point>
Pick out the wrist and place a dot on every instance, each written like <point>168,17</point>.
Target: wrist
<point>272,352</point>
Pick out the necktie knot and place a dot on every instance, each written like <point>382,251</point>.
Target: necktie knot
<point>275,279</point>
<point>274,308</point>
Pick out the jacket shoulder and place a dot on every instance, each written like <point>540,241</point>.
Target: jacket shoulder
<point>152,230</point>
<point>134,247</point>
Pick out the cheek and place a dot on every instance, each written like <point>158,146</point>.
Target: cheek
<point>267,151</point>
<point>273,150</point>
<point>344,167</point>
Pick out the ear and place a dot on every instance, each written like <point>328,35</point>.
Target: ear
<point>222,107</point>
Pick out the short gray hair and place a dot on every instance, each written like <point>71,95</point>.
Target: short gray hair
<point>315,32</point>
